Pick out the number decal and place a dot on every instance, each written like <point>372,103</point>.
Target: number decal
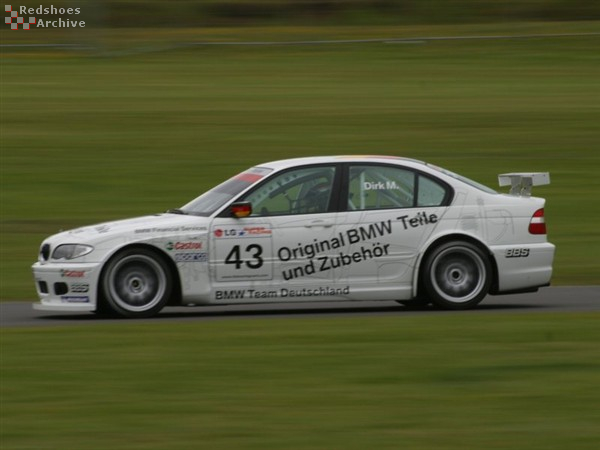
<point>242,252</point>
<point>235,258</point>
<point>256,256</point>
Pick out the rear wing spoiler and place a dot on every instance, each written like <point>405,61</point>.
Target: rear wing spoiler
<point>521,183</point>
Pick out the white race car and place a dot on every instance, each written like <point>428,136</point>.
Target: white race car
<point>322,228</point>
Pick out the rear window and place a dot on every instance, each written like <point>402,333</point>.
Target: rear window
<point>465,180</point>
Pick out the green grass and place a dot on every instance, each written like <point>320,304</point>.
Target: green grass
<point>89,139</point>
<point>437,381</point>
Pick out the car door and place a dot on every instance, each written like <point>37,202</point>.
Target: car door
<point>274,251</point>
<point>391,211</point>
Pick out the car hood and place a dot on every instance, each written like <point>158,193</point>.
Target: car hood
<point>139,228</point>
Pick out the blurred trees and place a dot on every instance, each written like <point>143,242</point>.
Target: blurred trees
<point>188,13</point>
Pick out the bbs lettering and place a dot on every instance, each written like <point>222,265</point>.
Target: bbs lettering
<point>517,253</point>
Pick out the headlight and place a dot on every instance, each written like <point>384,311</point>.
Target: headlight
<point>70,251</point>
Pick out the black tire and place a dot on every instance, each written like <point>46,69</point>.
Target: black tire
<point>456,275</point>
<point>135,283</point>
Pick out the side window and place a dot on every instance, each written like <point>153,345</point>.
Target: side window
<point>298,191</point>
<point>431,193</point>
<point>380,187</point>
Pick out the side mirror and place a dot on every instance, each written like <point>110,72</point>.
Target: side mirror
<point>240,209</point>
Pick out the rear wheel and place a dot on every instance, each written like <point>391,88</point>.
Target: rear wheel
<point>456,275</point>
<point>136,283</point>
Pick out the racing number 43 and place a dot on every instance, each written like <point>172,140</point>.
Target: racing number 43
<point>253,251</point>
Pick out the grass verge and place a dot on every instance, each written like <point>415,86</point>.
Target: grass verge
<point>451,381</point>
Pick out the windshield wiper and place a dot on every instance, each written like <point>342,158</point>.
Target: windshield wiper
<point>176,211</point>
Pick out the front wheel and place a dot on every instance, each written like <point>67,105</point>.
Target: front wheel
<point>136,283</point>
<point>456,275</point>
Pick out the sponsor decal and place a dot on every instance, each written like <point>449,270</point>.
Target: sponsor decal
<point>79,287</point>
<point>419,220</point>
<point>318,292</point>
<point>317,262</point>
<point>192,245</point>
<point>352,236</point>
<point>244,251</point>
<point>72,273</point>
<point>256,231</point>
<point>168,230</point>
<point>252,175</point>
<point>517,253</point>
<point>102,229</point>
<point>187,256</point>
<point>353,246</point>
<point>248,177</point>
<point>250,294</point>
<point>324,263</point>
<point>191,257</point>
<point>231,233</point>
<point>75,299</point>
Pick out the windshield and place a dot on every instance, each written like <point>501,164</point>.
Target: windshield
<point>466,180</point>
<point>213,200</point>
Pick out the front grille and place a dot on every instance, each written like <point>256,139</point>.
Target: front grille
<point>45,252</point>
<point>61,288</point>
<point>43,287</point>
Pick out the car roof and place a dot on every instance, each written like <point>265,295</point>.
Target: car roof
<point>287,163</point>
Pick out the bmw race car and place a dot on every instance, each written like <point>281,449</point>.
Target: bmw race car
<point>309,229</point>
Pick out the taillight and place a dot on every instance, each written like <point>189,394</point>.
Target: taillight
<point>537,224</point>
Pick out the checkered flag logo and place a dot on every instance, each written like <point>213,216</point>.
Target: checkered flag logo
<point>14,20</point>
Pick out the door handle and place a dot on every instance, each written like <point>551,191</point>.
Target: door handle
<point>319,223</point>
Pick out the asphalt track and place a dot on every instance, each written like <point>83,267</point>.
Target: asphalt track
<point>555,300</point>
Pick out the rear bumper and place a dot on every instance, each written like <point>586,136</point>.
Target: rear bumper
<point>66,287</point>
<point>523,273</point>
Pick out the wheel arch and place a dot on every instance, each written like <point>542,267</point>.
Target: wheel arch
<point>176,293</point>
<point>418,276</point>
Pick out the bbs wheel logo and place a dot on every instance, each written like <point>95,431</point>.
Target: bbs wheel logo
<point>517,253</point>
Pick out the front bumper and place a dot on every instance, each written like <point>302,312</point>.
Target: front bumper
<point>66,286</point>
